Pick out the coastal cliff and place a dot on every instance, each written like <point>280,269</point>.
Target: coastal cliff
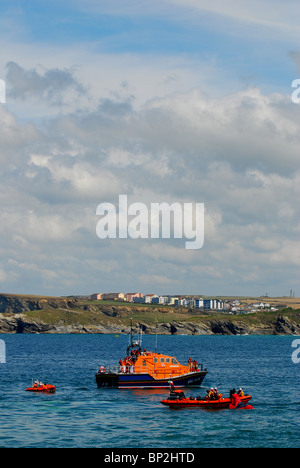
<point>35,314</point>
<point>16,303</point>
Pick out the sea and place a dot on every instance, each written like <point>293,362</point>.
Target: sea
<point>81,415</point>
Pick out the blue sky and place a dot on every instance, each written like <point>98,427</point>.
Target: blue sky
<point>251,47</point>
<point>176,100</point>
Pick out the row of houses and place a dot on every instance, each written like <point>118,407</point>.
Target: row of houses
<point>139,298</point>
<point>108,297</point>
<point>242,307</point>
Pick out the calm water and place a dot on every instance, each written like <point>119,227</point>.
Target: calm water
<point>81,415</point>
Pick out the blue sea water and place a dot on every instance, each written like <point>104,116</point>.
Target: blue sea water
<point>81,415</point>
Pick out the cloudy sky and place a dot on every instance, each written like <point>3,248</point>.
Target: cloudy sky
<point>164,101</point>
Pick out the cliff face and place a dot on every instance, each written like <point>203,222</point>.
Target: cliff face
<point>20,323</point>
<point>281,326</point>
<point>18,304</point>
<point>68,315</point>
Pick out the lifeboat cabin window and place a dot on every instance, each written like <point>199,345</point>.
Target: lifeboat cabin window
<point>162,359</point>
<point>167,360</point>
<point>155,359</point>
<point>174,361</point>
<point>144,363</point>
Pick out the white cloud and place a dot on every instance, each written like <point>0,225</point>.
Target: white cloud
<point>236,153</point>
<point>82,125</point>
<point>52,85</point>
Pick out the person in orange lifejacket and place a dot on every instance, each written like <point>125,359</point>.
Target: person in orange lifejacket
<point>210,393</point>
<point>122,366</point>
<point>217,395</point>
<point>190,363</point>
<point>195,365</point>
<point>127,363</point>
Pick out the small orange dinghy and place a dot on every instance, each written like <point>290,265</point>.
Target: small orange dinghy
<point>41,387</point>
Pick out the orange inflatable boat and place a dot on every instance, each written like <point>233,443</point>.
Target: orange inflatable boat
<point>177,399</point>
<point>40,387</point>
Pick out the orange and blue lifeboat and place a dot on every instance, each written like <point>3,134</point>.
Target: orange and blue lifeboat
<point>144,369</point>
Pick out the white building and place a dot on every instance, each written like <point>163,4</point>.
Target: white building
<point>198,303</point>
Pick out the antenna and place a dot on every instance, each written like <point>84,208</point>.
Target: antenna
<point>130,342</point>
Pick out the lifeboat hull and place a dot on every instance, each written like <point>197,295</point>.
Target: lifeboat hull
<point>208,404</point>
<point>42,389</point>
<point>119,380</point>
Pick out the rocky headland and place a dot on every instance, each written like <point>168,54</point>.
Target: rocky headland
<point>35,314</point>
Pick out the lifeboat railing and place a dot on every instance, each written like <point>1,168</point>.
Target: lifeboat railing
<point>161,372</point>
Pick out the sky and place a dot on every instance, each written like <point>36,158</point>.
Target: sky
<point>170,101</point>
